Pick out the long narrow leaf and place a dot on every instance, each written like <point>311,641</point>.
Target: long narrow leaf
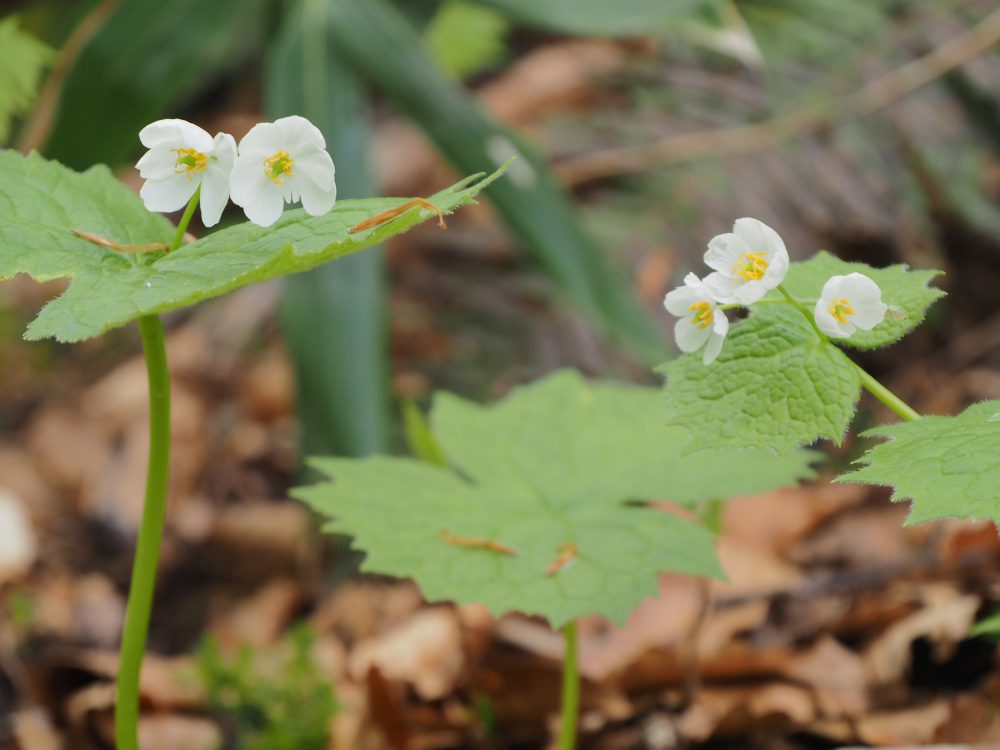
<point>382,46</point>
<point>619,18</point>
<point>149,56</point>
<point>333,317</point>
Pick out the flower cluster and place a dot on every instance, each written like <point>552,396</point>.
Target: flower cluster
<point>746,264</point>
<point>276,163</point>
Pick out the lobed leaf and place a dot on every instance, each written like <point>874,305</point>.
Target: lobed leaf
<point>556,463</point>
<point>948,466</point>
<point>775,385</point>
<point>41,202</point>
<point>903,289</point>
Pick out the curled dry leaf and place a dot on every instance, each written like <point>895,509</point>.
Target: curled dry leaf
<point>425,651</point>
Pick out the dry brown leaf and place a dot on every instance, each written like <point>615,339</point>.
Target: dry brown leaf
<point>18,544</point>
<point>911,726</point>
<point>260,619</point>
<point>837,676</point>
<point>425,651</point>
<point>178,732</point>
<point>34,731</point>
<point>945,619</point>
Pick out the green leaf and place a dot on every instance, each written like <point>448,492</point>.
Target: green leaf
<point>902,289</point>
<point>948,466</point>
<point>149,56</point>
<point>380,45</point>
<point>775,385</point>
<point>333,318</point>
<point>555,463</point>
<point>466,39</point>
<point>988,627</point>
<point>42,201</point>
<point>624,18</point>
<point>23,60</point>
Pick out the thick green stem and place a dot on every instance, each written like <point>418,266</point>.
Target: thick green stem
<point>887,397</point>
<point>147,550</point>
<point>570,691</point>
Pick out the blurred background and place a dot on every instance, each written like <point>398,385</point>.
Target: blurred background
<point>642,128</point>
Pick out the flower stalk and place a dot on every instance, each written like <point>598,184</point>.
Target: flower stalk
<point>147,552</point>
<point>570,690</point>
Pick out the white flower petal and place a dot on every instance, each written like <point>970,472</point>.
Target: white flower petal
<point>759,237</point>
<point>869,314</point>
<point>215,179</point>
<point>713,348</point>
<point>243,179</point>
<point>175,134</point>
<point>724,250</point>
<point>264,202</point>
<point>748,292</point>
<point>169,194</point>
<point>721,287</point>
<point>259,142</point>
<point>679,301</point>
<point>317,166</point>
<point>299,135</point>
<point>157,163</point>
<point>829,324</point>
<point>690,338</point>
<point>315,201</point>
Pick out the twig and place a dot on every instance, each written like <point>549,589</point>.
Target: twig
<point>36,129</point>
<point>746,139</point>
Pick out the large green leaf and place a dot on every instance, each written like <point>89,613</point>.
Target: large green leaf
<point>775,385</point>
<point>333,318</point>
<point>557,463</point>
<point>905,291</point>
<point>948,466</point>
<point>465,39</point>
<point>382,46</point>
<point>22,62</point>
<point>149,56</point>
<point>41,202</point>
<point>622,18</point>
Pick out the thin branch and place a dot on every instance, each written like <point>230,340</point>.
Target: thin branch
<point>747,139</point>
<point>36,129</point>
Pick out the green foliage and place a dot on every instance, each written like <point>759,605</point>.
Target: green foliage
<point>380,44</point>
<point>948,466</point>
<point>905,290</point>
<point>465,38</point>
<point>988,627</point>
<point>334,317</point>
<point>23,60</point>
<point>274,701</point>
<point>556,474</point>
<point>624,18</point>
<point>149,56</point>
<point>43,201</point>
<point>776,385</point>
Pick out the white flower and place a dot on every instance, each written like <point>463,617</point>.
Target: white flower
<point>181,158</point>
<point>849,303</point>
<point>748,262</point>
<point>702,323</point>
<point>282,162</point>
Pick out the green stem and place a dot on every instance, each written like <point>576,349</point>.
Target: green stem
<point>570,691</point>
<point>887,397</point>
<point>185,220</point>
<point>804,310</point>
<point>147,551</point>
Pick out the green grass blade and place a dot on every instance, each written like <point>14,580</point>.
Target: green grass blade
<point>333,318</point>
<point>150,56</point>
<point>382,46</point>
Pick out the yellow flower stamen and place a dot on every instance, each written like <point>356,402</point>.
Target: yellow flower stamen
<point>189,161</point>
<point>751,266</point>
<point>703,314</point>
<point>277,165</point>
<point>840,309</point>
